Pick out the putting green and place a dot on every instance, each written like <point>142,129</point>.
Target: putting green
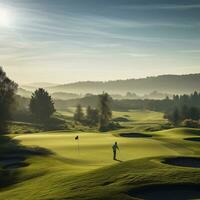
<point>96,149</point>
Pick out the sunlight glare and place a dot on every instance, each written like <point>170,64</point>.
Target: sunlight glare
<point>5,17</point>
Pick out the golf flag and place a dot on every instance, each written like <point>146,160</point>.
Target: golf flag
<point>76,138</point>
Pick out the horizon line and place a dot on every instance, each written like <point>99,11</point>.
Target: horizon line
<point>60,84</point>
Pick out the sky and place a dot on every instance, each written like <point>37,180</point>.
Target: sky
<point>66,41</point>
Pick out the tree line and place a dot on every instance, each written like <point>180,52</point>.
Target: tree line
<point>101,116</point>
<point>189,116</point>
<point>186,110</point>
<point>7,93</point>
<point>41,107</point>
<point>41,104</point>
<point>181,108</point>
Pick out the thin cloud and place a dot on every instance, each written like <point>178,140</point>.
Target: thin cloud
<point>140,55</point>
<point>162,7</point>
<point>191,51</point>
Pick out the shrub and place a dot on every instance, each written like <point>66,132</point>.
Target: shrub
<point>191,123</point>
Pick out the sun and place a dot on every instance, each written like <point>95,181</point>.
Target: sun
<point>5,17</point>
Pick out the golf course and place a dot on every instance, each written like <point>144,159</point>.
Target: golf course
<point>158,164</point>
<point>99,100</point>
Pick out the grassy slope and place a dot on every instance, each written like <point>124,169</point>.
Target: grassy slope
<point>92,174</point>
<point>144,120</point>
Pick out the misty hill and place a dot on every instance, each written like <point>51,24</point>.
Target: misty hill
<point>24,93</point>
<point>33,86</point>
<point>64,95</point>
<point>56,95</point>
<point>172,84</point>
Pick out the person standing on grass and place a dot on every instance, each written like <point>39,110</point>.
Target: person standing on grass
<point>115,148</point>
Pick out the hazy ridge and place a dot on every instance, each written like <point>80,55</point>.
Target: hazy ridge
<point>172,84</point>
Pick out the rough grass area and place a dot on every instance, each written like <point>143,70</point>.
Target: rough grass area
<point>21,127</point>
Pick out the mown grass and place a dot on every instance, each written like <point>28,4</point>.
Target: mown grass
<point>91,173</point>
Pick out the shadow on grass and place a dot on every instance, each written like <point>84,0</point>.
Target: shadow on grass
<point>13,156</point>
<point>118,160</point>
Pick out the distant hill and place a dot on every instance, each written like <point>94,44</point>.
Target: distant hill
<point>56,95</point>
<point>33,86</point>
<point>64,95</point>
<point>24,93</point>
<point>171,84</point>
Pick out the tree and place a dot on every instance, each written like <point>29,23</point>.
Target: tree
<point>176,99</point>
<point>184,100</point>
<point>194,113</point>
<point>7,93</point>
<point>41,105</point>
<point>79,115</point>
<point>92,116</point>
<point>105,113</point>
<point>195,99</point>
<point>88,112</point>
<point>175,117</point>
<point>184,112</point>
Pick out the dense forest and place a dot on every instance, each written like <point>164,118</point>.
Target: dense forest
<point>125,104</point>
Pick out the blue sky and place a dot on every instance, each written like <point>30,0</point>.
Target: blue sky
<point>73,40</point>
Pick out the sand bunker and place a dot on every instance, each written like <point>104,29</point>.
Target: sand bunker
<point>166,192</point>
<point>183,161</point>
<point>135,135</point>
<point>195,139</point>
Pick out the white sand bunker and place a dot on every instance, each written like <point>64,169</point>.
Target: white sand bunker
<point>166,192</point>
<point>183,161</point>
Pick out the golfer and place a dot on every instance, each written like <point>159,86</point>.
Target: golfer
<point>115,148</point>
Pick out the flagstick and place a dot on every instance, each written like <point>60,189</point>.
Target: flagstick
<point>78,148</point>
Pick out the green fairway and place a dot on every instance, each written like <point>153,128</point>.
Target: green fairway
<point>92,174</point>
<point>95,148</point>
<point>142,120</point>
<point>147,161</point>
